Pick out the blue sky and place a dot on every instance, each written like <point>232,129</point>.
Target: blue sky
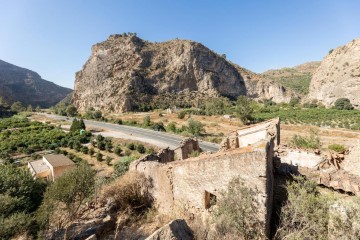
<point>54,37</point>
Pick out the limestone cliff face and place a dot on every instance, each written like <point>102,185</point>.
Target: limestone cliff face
<point>261,87</point>
<point>26,86</point>
<point>338,76</point>
<point>126,73</point>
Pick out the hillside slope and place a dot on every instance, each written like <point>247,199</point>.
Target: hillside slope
<point>26,86</point>
<point>338,76</point>
<point>295,78</point>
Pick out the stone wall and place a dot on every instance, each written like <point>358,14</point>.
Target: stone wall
<point>181,185</point>
<point>186,147</point>
<point>253,134</point>
<point>322,167</point>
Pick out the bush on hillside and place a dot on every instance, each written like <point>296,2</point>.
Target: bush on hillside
<point>305,215</point>
<point>122,165</point>
<point>236,216</point>
<point>343,104</point>
<point>337,148</point>
<point>312,141</point>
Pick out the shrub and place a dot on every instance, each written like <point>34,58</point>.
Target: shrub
<point>195,127</point>
<point>150,150</point>
<point>64,198</point>
<point>118,150</point>
<point>14,224</point>
<point>294,101</point>
<point>71,111</point>
<point>101,145</point>
<point>237,214</point>
<point>337,148</point>
<point>146,121</point>
<point>99,156</point>
<point>97,114</point>
<point>344,219</point>
<point>129,192</point>
<point>244,110</point>
<point>91,151</point>
<point>343,104</point>
<point>122,166</point>
<point>131,146</point>
<point>216,106</point>
<point>140,148</point>
<point>181,115</point>
<point>311,141</point>
<point>108,160</point>
<point>305,215</point>
<point>171,127</point>
<point>159,126</point>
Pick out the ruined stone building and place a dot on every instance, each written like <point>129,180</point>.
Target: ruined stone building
<point>194,184</point>
<point>254,153</point>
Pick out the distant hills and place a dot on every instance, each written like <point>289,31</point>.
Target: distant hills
<point>26,86</point>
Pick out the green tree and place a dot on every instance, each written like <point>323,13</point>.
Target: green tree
<point>216,106</point>
<point>343,104</point>
<point>20,195</point>
<point>122,166</point>
<point>171,127</point>
<point>195,127</point>
<point>71,111</point>
<point>29,108</point>
<point>100,138</point>
<point>97,114</point>
<point>146,121</point>
<point>159,126</point>
<point>140,148</point>
<point>77,125</point>
<point>17,107</point>
<point>38,109</point>
<point>101,145</point>
<point>108,160</point>
<point>244,109</point>
<point>118,150</point>
<point>64,198</point>
<point>99,156</point>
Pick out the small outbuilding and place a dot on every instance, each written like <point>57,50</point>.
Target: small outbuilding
<point>51,166</point>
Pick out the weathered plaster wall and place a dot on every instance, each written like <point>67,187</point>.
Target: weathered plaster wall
<point>58,171</point>
<point>182,184</point>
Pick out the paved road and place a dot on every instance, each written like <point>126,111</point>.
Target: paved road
<point>147,135</point>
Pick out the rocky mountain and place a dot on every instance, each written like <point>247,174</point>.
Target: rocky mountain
<point>26,86</point>
<point>127,73</point>
<point>338,76</point>
<point>295,78</point>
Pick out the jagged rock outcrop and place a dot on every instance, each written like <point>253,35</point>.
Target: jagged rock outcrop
<point>338,76</point>
<point>126,73</point>
<point>26,86</point>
